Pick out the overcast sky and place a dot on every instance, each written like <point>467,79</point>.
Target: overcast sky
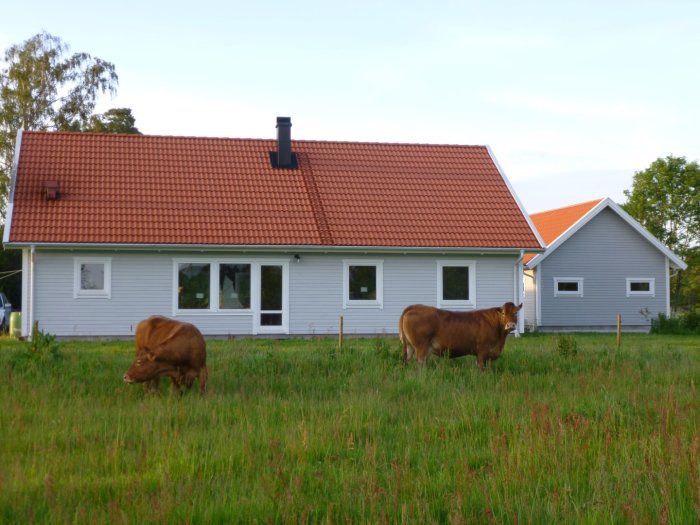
<point>572,96</point>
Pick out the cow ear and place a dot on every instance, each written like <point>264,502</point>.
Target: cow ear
<point>519,306</point>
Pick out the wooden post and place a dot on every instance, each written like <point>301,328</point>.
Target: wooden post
<point>340,334</point>
<point>619,329</point>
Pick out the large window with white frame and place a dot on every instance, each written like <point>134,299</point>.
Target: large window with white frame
<point>568,287</point>
<point>219,286</point>
<point>363,284</point>
<point>92,277</point>
<point>640,286</point>
<point>456,284</point>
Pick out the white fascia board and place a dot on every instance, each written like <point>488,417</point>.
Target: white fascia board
<point>517,199</point>
<point>672,257</point>
<point>206,248</point>
<point>607,203</point>
<point>13,182</point>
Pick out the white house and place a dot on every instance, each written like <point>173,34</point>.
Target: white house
<point>249,236</point>
<point>599,263</point>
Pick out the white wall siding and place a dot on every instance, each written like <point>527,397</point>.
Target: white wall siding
<point>605,252</point>
<point>142,285</point>
<point>530,300</point>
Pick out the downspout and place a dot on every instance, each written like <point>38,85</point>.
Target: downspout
<point>518,291</point>
<point>30,331</point>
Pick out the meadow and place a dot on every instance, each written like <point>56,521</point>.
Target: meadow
<point>561,429</point>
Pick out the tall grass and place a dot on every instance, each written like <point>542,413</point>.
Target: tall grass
<point>295,431</point>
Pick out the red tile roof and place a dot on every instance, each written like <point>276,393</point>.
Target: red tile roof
<point>552,223</point>
<point>157,190</point>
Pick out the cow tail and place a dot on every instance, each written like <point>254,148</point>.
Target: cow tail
<point>402,338</point>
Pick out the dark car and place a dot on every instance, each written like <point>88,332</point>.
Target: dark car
<point>5,310</point>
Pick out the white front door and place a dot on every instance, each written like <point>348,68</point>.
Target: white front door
<point>272,312</point>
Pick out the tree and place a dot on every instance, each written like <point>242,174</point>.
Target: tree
<point>665,199</point>
<point>117,120</point>
<point>41,88</point>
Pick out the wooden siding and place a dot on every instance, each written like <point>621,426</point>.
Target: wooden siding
<point>142,285</point>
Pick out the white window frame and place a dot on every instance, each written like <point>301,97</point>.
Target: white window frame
<point>558,280</point>
<point>451,303</point>
<point>214,268</point>
<point>650,280</point>
<point>104,293</point>
<point>357,303</point>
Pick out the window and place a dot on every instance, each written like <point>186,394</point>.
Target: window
<point>640,287</point>
<point>193,286</point>
<point>456,282</point>
<point>234,286</point>
<point>92,277</point>
<point>568,287</point>
<point>362,284</point>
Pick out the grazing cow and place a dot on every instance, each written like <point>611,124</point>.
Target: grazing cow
<point>165,347</point>
<point>426,330</point>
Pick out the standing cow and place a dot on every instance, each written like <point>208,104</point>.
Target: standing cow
<point>426,330</point>
<point>165,347</point>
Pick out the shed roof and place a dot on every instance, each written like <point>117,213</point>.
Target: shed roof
<point>558,225</point>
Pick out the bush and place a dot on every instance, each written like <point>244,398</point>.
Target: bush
<point>683,324</point>
<point>566,346</point>
<point>41,350</point>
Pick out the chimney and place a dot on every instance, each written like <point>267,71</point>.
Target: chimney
<point>284,157</point>
<point>51,190</point>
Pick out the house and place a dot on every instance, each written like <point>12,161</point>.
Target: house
<point>250,236</point>
<point>599,263</point>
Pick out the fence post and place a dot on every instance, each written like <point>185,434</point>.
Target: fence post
<point>340,334</point>
<point>619,330</point>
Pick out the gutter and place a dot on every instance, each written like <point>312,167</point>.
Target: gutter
<point>287,248</point>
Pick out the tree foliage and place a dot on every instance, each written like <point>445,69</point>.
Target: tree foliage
<point>665,199</point>
<point>42,87</point>
<point>117,120</point>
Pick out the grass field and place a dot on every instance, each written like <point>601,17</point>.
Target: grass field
<point>294,431</point>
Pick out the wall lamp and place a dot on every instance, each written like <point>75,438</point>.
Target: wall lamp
<point>297,259</point>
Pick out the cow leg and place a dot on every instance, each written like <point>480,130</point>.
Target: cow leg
<point>408,351</point>
<point>203,378</point>
<point>151,386</point>
<point>481,360</point>
<point>422,354</point>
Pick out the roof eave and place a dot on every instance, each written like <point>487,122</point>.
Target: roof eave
<point>290,248</point>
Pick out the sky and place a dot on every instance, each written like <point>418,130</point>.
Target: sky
<point>573,97</point>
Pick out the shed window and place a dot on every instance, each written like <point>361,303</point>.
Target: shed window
<point>640,287</point>
<point>568,287</point>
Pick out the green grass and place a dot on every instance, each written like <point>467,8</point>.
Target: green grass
<point>295,431</point>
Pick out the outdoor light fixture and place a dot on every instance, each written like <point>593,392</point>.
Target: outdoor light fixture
<point>297,258</point>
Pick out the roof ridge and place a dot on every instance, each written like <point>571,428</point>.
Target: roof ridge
<point>307,175</point>
<point>137,136</point>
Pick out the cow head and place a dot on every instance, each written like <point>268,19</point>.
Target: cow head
<point>145,367</point>
<point>509,316</point>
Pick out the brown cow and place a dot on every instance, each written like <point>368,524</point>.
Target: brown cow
<point>426,330</point>
<point>165,347</point>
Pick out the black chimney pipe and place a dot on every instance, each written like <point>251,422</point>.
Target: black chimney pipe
<point>284,142</point>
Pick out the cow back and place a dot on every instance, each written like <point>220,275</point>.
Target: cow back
<point>175,342</point>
